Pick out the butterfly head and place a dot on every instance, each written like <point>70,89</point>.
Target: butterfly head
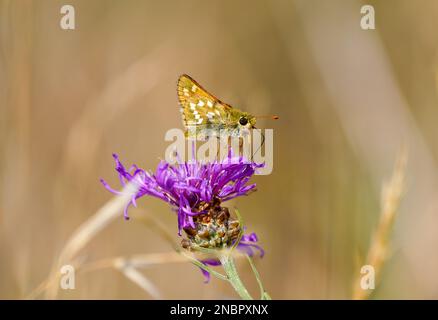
<point>246,120</point>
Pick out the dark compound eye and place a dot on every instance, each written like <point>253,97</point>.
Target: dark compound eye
<point>243,121</point>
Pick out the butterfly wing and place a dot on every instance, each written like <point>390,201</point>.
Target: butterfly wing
<point>203,114</point>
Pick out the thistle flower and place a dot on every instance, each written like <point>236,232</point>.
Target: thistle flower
<point>189,187</point>
<point>196,192</point>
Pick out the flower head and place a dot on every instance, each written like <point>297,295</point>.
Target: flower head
<point>196,192</point>
<point>189,187</point>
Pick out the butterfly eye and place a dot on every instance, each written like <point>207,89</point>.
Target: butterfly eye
<point>243,121</point>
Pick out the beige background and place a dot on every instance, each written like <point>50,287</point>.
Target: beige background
<point>347,100</point>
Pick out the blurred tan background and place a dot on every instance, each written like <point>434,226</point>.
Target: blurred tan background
<point>347,98</point>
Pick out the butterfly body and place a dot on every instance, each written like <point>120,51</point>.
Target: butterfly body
<point>206,116</point>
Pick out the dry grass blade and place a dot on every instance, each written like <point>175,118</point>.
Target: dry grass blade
<point>130,272</point>
<point>97,223</point>
<point>87,231</point>
<point>378,252</point>
<point>135,261</point>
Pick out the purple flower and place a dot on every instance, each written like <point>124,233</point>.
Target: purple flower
<point>248,244</point>
<point>186,186</point>
<point>194,189</point>
<point>209,262</point>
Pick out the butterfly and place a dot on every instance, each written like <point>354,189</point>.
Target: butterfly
<point>206,116</point>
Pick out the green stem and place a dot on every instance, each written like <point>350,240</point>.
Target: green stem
<point>263,294</point>
<point>227,262</point>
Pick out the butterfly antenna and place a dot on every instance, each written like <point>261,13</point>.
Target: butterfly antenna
<point>269,116</point>
<point>263,142</point>
<point>272,117</point>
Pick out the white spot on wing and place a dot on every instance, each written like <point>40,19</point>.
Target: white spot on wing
<point>210,115</point>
